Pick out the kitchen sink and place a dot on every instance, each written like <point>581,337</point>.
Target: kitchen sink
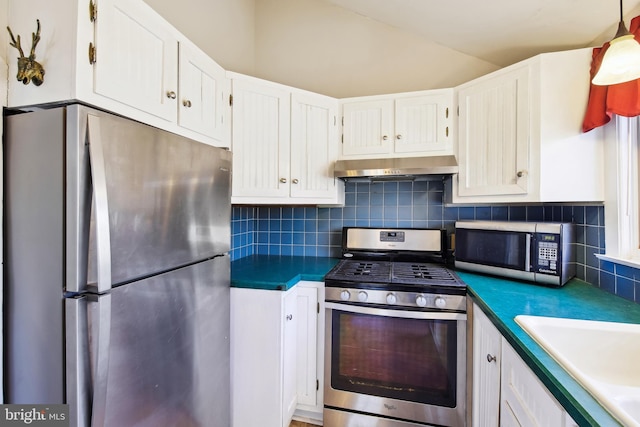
<point>604,357</point>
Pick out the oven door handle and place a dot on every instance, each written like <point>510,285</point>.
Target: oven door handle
<point>407,314</point>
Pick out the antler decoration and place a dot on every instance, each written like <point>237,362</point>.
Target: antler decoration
<point>29,70</point>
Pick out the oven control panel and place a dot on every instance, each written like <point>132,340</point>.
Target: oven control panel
<point>392,236</point>
<point>390,299</point>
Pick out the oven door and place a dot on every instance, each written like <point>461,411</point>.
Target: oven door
<point>407,365</point>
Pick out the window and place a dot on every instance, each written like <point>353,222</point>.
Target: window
<point>622,218</point>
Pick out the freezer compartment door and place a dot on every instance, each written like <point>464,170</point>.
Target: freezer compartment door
<point>160,201</point>
<point>158,351</point>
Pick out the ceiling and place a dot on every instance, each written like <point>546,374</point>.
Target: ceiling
<point>501,32</point>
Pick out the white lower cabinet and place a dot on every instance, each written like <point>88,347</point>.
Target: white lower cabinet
<point>524,400</point>
<point>487,343</point>
<point>505,391</point>
<point>310,350</point>
<point>263,357</point>
<point>277,343</point>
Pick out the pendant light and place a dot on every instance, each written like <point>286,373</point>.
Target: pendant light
<point>621,61</point>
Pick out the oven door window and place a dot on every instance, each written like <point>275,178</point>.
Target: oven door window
<point>399,358</point>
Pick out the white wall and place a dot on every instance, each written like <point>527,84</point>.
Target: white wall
<point>224,29</point>
<point>315,45</point>
<point>4,41</point>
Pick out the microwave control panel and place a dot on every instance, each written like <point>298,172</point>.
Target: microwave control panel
<point>547,245</point>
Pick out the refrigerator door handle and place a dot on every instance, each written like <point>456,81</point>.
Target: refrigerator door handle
<point>103,239</point>
<point>101,313</point>
<point>78,365</point>
<point>88,330</point>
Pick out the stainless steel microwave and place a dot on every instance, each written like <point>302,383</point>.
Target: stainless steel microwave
<point>540,252</point>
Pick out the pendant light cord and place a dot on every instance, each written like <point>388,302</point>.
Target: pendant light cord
<point>621,11</point>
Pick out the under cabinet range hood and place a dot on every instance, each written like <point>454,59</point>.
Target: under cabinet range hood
<point>396,167</point>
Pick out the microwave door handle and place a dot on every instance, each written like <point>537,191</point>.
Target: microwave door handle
<point>527,259</point>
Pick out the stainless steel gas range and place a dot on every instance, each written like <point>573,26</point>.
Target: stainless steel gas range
<point>395,343</point>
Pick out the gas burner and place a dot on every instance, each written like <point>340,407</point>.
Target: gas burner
<point>424,274</point>
<point>360,271</point>
<point>400,263</point>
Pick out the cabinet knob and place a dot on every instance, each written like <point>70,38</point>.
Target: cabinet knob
<point>186,103</point>
<point>385,137</point>
<point>398,136</point>
<point>522,173</point>
<point>490,358</point>
<point>283,180</point>
<point>289,316</point>
<point>171,95</point>
<point>295,181</point>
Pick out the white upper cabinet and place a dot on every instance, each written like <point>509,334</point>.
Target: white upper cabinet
<point>284,145</point>
<point>260,140</point>
<point>136,57</point>
<point>203,92</point>
<point>520,137</point>
<point>368,127</point>
<point>399,125</point>
<point>314,148</point>
<point>494,140</point>
<point>125,58</point>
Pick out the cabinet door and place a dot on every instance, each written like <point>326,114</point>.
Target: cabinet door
<point>263,356</point>
<point>289,357</point>
<point>525,400</point>
<point>260,140</point>
<point>368,127</point>
<point>137,58</point>
<point>200,92</point>
<point>314,146</point>
<point>486,371</point>
<point>307,339</point>
<point>422,124</point>
<point>493,145</point>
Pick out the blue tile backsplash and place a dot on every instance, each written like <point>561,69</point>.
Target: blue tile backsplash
<point>316,231</point>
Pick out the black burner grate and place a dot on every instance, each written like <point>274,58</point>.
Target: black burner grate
<point>360,271</point>
<point>423,274</point>
<point>401,273</point>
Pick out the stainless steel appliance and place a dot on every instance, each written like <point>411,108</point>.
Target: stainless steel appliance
<point>117,270</point>
<point>541,252</point>
<point>395,343</point>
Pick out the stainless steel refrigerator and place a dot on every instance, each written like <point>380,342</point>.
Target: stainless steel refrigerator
<point>116,270</point>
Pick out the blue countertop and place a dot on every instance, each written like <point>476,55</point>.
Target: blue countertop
<point>278,273</point>
<point>501,300</point>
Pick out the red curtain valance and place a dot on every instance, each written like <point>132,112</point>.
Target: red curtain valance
<point>622,99</point>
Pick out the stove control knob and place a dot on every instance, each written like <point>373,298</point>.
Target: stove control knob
<point>391,299</point>
<point>440,302</point>
<point>345,295</point>
<point>362,296</point>
<point>421,301</point>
